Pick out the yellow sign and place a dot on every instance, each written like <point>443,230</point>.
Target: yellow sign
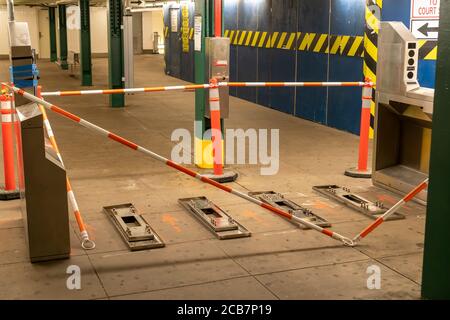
<point>185,28</point>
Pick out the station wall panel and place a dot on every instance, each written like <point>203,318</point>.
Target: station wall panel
<point>247,21</point>
<point>284,21</point>
<point>311,103</point>
<point>264,56</point>
<point>344,104</point>
<point>230,13</point>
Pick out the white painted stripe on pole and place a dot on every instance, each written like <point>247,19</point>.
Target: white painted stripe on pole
<point>6,118</point>
<point>92,126</point>
<point>6,105</point>
<point>49,128</point>
<point>84,92</point>
<point>152,154</point>
<point>255,84</point>
<point>133,90</point>
<point>175,88</point>
<point>73,202</point>
<point>84,235</point>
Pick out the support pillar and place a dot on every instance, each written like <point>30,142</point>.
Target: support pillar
<point>62,36</point>
<point>203,144</point>
<point>85,44</point>
<point>115,52</point>
<point>436,262</point>
<point>52,28</point>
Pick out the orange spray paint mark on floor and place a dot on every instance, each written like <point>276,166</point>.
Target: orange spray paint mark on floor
<point>171,220</point>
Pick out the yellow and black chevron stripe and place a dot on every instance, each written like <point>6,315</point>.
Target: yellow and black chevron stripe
<point>191,32</point>
<point>428,49</point>
<point>302,41</point>
<point>371,31</point>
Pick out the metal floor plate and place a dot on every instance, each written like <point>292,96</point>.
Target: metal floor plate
<point>344,195</point>
<point>133,228</point>
<point>277,200</point>
<point>214,218</point>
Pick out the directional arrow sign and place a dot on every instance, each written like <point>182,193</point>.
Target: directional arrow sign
<point>425,29</point>
<point>140,3</point>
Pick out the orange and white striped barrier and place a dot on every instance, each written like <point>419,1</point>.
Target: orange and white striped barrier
<point>391,211</point>
<point>216,132</point>
<point>174,165</point>
<point>86,242</point>
<point>206,86</point>
<point>362,170</point>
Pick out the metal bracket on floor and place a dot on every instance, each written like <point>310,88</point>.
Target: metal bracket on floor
<point>277,200</point>
<point>344,195</point>
<point>214,218</point>
<point>133,228</point>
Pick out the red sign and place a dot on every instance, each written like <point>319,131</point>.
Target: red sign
<point>425,9</point>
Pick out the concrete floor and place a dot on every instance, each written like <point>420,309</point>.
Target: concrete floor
<point>279,261</point>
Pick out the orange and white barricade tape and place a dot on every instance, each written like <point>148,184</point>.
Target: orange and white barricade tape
<point>86,242</point>
<point>172,164</point>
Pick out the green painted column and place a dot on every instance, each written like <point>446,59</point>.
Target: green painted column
<point>205,10</point>
<point>115,52</point>
<point>85,44</point>
<point>52,33</point>
<point>62,36</point>
<point>436,262</point>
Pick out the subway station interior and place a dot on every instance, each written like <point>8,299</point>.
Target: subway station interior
<point>224,150</point>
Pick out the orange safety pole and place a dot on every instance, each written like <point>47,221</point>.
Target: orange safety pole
<point>423,185</point>
<point>176,166</point>
<point>216,135</point>
<point>7,140</point>
<point>86,242</point>
<point>362,171</point>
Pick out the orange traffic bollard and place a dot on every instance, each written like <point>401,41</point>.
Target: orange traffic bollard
<point>10,190</point>
<point>362,171</point>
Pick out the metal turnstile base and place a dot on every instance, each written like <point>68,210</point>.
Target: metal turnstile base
<point>343,195</point>
<point>222,225</point>
<point>9,195</point>
<point>277,200</point>
<point>133,228</point>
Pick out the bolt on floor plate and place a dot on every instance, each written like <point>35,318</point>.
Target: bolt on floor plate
<point>214,218</point>
<point>133,228</point>
<point>344,195</point>
<point>277,200</point>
